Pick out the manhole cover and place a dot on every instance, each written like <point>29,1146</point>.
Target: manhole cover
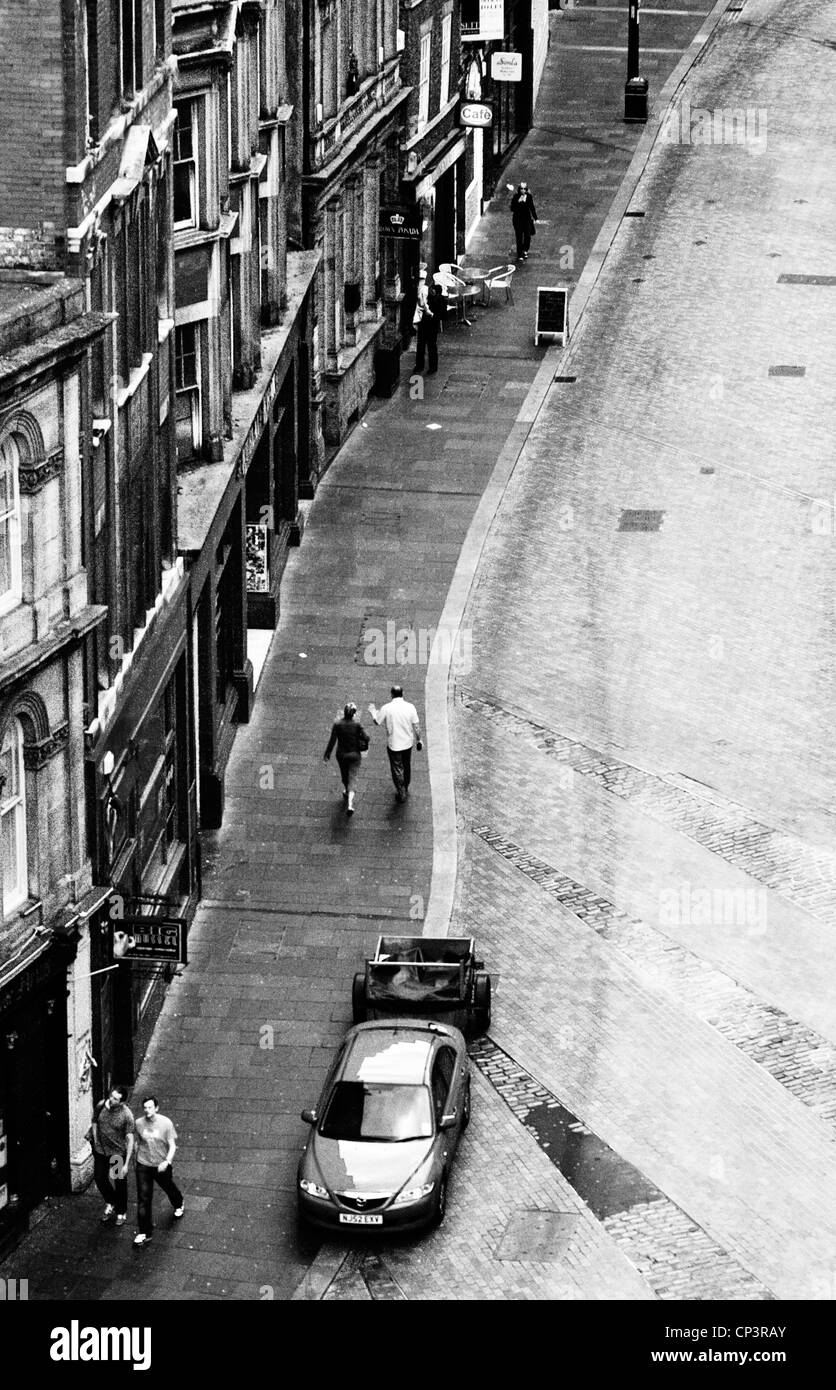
<point>465,384</point>
<point>538,1236</point>
<point>784,370</point>
<point>640,520</point>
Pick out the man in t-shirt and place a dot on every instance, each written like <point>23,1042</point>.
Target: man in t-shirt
<point>401,720</point>
<point>155,1150</point>
<point>112,1137</point>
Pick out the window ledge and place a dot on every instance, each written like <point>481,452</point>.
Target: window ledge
<point>135,380</point>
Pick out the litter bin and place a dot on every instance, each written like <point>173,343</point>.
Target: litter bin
<point>635,99</point>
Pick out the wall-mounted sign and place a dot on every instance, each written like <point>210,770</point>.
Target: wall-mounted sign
<point>506,67</point>
<point>404,224</point>
<point>476,113</point>
<point>158,939</point>
<point>482,20</point>
<point>258,578</point>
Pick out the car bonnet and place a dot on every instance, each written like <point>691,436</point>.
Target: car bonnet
<point>365,1166</point>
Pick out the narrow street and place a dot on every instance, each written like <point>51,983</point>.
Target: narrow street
<point>642,771</point>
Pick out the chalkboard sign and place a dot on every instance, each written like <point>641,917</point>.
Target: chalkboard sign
<point>552,314</point>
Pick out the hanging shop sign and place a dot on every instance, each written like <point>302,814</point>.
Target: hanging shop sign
<point>506,67</point>
<point>159,940</point>
<point>478,114</point>
<point>404,224</point>
<point>482,20</point>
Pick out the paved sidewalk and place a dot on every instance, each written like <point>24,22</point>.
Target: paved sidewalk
<point>295,894</point>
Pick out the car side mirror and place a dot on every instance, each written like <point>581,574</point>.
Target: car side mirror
<point>309,1116</point>
<point>448,1120</point>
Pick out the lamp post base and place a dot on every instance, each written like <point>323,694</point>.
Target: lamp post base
<point>635,99</point>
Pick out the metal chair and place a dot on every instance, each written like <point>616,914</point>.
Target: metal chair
<point>500,279</point>
<point>449,285</point>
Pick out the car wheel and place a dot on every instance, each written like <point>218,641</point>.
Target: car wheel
<point>482,1001</point>
<point>358,997</point>
<point>466,1107</point>
<point>441,1200</point>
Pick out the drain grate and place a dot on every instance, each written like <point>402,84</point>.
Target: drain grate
<point>565,380</point>
<point>807,280</point>
<point>631,212</point>
<point>786,370</point>
<point>640,520</point>
<point>465,384</point>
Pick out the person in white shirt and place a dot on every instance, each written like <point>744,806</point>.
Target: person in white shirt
<point>402,729</point>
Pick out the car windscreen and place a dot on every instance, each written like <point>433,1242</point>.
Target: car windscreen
<point>360,1110</point>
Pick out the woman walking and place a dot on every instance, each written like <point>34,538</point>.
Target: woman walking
<point>351,741</point>
<point>523,216</point>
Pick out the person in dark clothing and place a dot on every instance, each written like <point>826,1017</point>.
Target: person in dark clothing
<point>351,742</point>
<point>523,216</point>
<point>428,330</point>
<point>112,1138</point>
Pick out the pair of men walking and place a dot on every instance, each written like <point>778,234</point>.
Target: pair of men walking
<point>403,731</point>
<point>115,1135</point>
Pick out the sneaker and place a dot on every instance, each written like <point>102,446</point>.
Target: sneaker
<point>120,1220</point>
<point>178,1212</point>
<point>140,1239</point>
<point>108,1212</point>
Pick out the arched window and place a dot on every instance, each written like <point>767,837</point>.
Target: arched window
<point>10,459</point>
<point>13,818</point>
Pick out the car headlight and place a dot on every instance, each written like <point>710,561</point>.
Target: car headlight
<point>313,1188</point>
<point>413,1194</point>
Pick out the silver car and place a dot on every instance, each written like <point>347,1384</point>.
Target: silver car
<point>384,1134</point>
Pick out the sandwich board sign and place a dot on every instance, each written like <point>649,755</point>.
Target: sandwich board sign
<point>552,314</point>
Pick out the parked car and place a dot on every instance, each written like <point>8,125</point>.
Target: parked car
<point>384,1134</point>
<point>424,977</point>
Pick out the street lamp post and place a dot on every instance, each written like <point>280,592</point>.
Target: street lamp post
<point>635,89</point>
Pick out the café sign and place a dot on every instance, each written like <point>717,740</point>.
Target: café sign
<point>404,224</point>
<point>476,113</point>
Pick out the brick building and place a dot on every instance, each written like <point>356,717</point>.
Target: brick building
<point>86,189</point>
<point>248,432</point>
<point>345,80</point>
<point>437,154</point>
<point>45,617</point>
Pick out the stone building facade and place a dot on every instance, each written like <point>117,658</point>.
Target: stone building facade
<point>46,901</point>
<point>345,80</point>
<point>248,421</point>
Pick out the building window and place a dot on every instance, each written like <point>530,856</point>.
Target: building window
<point>446,26</point>
<point>10,583</point>
<point>130,39</point>
<point>187,386</point>
<point>159,28</point>
<point>91,54</point>
<point>185,166</point>
<point>424,80</point>
<point>13,818</point>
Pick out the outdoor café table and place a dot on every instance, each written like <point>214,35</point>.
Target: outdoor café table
<point>474,277</point>
<point>468,293</point>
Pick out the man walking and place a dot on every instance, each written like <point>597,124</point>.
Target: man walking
<point>401,720</point>
<point>428,330</point>
<point>112,1137</point>
<point>156,1147</point>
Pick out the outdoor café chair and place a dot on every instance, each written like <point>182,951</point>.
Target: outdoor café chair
<point>500,279</point>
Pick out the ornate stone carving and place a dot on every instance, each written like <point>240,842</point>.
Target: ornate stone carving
<point>36,754</point>
<point>35,473</point>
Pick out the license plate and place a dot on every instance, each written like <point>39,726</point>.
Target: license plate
<point>364,1219</point>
